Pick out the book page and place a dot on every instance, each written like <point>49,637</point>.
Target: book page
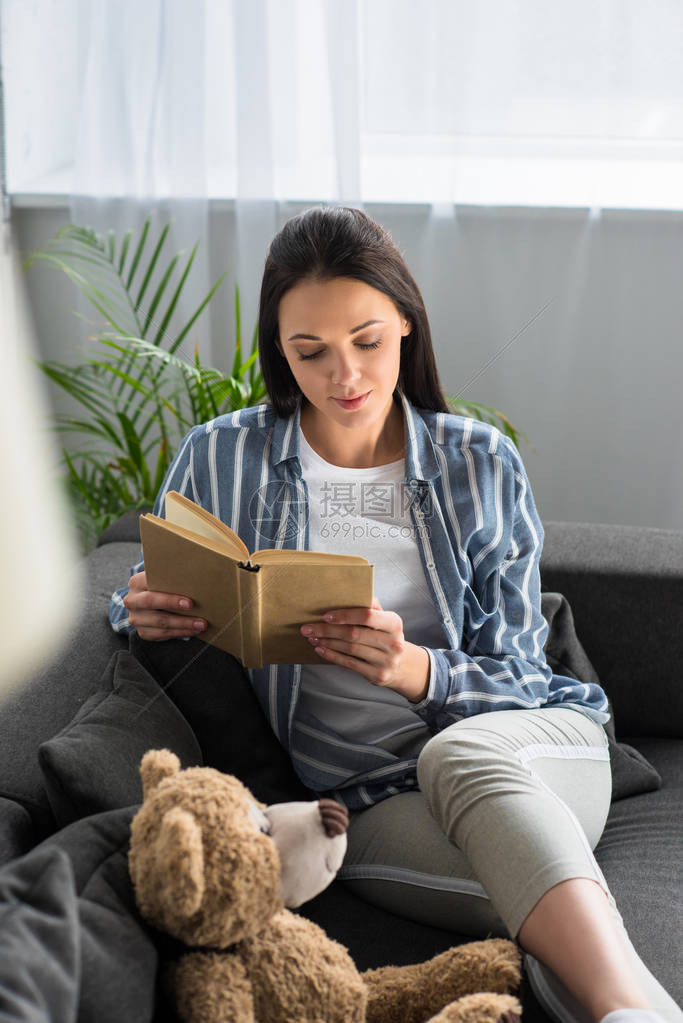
<point>183,512</point>
<point>282,557</point>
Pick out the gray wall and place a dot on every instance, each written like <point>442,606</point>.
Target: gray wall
<point>570,324</point>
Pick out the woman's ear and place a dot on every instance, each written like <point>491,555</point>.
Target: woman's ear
<point>406,327</point>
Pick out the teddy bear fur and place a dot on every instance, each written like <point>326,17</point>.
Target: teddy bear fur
<point>204,873</point>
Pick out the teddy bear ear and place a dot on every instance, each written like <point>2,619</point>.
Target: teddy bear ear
<point>156,765</point>
<point>180,860</point>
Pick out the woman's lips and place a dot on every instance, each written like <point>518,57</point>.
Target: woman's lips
<point>354,402</point>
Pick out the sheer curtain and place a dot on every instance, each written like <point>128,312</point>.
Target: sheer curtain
<point>182,104</point>
<point>141,142</point>
<point>445,101</point>
<point>274,104</point>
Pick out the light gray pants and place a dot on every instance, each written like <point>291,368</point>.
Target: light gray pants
<point>511,803</point>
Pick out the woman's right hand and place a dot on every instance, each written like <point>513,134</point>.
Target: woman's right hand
<point>155,616</point>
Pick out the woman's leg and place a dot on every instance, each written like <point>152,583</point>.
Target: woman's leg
<point>483,780</point>
<point>547,795</point>
<point>572,930</point>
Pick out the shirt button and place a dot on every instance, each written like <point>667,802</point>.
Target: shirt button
<point>430,564</point>
<point>448,621</point>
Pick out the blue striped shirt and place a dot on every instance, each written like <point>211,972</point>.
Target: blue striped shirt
<point>479,538</point>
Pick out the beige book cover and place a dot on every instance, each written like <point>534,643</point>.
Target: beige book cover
<point>255,604</point>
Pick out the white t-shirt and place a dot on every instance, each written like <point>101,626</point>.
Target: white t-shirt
<point>366,512</point>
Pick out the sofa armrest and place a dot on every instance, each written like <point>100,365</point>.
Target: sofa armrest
<point>126,529</point>
<point>625,588</point>
<point>45,703</point>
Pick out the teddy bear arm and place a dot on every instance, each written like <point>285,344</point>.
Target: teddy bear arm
<point>481,1008</point>
<point>211,987</point>
<point>413,994</point>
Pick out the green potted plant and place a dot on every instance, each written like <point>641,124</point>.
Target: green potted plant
<point>137,395</point>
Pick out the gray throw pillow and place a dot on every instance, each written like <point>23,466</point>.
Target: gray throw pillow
<point>93,764</point>
<point>119,957</point>
<point>632,773</point>
<point>40,950</point>
<point>72,943</point>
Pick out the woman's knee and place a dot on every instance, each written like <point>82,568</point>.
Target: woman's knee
<point>459,752</point>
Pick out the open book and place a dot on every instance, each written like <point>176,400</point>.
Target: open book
<point>255,604</point>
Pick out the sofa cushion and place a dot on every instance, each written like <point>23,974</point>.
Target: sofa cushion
<point>92,765</point>
<point>640,853</point>
<point>39,938</point>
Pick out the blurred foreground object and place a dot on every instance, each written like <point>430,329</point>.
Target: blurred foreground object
<point>38,557</point>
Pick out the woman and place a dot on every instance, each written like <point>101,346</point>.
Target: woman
<point>478,781</point>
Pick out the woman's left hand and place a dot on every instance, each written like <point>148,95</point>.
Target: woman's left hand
<point>370,641</point>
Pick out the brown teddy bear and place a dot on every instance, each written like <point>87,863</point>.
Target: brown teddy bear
<point>215,868</point>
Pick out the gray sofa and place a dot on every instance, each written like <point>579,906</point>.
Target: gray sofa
<point>618,589</point>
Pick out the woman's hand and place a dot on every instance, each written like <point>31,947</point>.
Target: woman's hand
<point>156,616</point>
<point>370,641</point>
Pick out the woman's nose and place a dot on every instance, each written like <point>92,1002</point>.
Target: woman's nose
<point>345,370</point>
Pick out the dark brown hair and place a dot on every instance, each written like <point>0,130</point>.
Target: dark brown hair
<point>338,241</point>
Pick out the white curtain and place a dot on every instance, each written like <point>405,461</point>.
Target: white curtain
<point>277,103</point>
<point>271,104</point>
<point>141,141</point>
<point>256,101</point>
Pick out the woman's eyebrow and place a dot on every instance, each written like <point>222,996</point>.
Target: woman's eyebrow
<point>314,337</point>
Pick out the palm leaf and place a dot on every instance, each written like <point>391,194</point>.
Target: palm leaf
<point>486,414</point>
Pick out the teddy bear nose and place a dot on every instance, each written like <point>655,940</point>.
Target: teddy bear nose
<point>334,816</point>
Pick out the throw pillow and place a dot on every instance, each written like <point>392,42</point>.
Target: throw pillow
<point>72,943</point>
<point>632,773</point>
<point>93,764</point>
<point>119,954</point>
<point>40,952</point>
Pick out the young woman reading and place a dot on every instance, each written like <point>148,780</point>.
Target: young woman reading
<point>478,781</point>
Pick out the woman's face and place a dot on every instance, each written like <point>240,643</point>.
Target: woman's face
<point>342,340</point>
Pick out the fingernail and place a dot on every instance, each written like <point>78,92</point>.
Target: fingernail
<point>185,604</point>
<point>198,626</point>
<point>307,629</point>
<point>330,617</point>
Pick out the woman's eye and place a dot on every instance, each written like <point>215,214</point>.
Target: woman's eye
<point>365,347</point>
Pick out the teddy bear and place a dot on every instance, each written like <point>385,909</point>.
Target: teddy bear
<point>215,868</point>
